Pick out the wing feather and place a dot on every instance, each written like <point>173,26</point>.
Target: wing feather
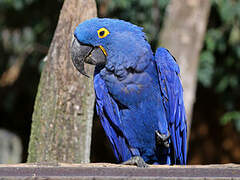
<point>109,114</point>
<point>172,93</point>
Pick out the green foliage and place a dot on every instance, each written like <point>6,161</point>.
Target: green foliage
<point>220,59</point>
<point>207,68</point>
<point>26,30</point>
<point>16,41</point>
<point>233,116</point>
<point>15,4</point>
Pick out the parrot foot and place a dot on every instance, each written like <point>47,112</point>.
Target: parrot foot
<point>137,161</point>
<point>162,139</point>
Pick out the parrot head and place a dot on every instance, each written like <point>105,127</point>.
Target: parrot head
<point>98,40</point>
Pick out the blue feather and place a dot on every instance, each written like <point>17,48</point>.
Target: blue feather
<point>173,100</point>
<point>108,112</point>
<point>137,94</point>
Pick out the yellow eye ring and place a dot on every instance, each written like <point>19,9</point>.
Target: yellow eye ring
<point>102,32</point>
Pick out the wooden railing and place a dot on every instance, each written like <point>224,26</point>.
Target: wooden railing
<point>103,171</point>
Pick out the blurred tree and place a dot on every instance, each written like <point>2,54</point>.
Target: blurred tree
<point>10,147</point>
<point>63,112</point>
<point>215,130</point>
<point>219,62</point>
<point>26,29</point>
<point>183,34</point>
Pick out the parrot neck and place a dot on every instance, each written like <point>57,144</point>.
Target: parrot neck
<point>129,52</point>
<point>123,63</point>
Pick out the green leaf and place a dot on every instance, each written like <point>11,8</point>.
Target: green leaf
<point>222,85</point>
<point>233,116</point>
<point>212,38</point>
<point>229,116</point>
<point>233,81</point>
<point>227,11</point>
<point>237,50</point>
<point>237,124</point>
<point>234,35</point>
<point>146,3</point>
<point>206,68</point>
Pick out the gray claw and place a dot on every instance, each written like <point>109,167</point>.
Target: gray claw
<point>137,161</point>
<point>162,139</point>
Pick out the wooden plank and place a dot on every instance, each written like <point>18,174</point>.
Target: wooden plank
<point>113,171</point>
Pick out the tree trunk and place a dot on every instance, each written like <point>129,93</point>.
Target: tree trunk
<point>63,112</point>
<point>183,34</point>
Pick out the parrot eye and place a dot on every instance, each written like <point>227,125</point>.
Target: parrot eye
<point>102,32</point>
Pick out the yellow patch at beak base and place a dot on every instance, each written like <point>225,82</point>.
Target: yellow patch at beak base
<point>103,50</point>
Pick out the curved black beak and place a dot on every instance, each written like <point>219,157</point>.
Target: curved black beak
<point>81,53</point>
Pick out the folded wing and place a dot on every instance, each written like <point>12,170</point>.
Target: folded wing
<point>172,93</point>
<point>109,114</point>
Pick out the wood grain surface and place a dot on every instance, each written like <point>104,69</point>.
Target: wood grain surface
<point>112,171</point>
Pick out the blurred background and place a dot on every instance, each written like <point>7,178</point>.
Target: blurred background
<point>26,30</point>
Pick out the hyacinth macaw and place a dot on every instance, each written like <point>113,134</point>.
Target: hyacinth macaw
<point>139,96</point>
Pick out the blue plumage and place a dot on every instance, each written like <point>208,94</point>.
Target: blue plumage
<point>139,96</point>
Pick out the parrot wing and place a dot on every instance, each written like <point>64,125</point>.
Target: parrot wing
<point>109,114</point>
<point>172,93</point>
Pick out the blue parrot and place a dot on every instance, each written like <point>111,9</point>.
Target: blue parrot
<point>139,96</point>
